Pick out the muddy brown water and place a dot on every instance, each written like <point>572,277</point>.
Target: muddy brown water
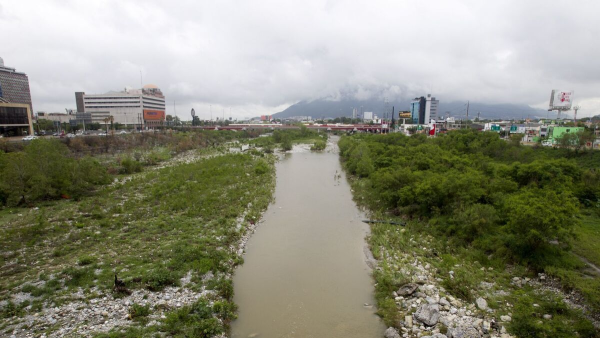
<point>305,271</point>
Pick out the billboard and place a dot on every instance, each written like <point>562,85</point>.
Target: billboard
<point>405,114</point>
<point>561,100</point>
<point>154,115</point>
<point>368,115</point>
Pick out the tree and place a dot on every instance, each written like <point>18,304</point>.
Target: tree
<point>43,124</point>
<point>535,218</point>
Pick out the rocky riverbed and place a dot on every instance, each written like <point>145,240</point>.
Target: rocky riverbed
<point>428,310</point>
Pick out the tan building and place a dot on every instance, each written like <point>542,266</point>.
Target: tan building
<point>15,119</point>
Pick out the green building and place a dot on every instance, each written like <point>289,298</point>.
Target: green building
<point>556,132</point>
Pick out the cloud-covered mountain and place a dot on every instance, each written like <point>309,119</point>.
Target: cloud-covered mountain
<point>343,107</point>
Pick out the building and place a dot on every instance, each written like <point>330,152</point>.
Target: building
<point>15,119</point>
<point>417,110</point>
<point>423,110</point>
<point>14,86</point>
<point>56,117</point>
<point>132,107</point>
<point>431,109</point>
<point>15,102</point>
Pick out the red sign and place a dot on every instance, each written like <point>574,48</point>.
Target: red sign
<point>156,115</point>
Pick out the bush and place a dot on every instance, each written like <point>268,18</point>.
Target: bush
<point>85,260</point>
<point>130,166</point>
<point>137,311</point>
<point>319,145</point>
<point>160,278</point>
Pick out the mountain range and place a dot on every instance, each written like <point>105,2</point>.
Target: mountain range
<point>324,108</point>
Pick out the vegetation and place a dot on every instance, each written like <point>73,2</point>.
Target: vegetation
<point>285,139</point>
<point>471,202</point>
<point>152,228</point>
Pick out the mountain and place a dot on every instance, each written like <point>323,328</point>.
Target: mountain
<point>328,108</point>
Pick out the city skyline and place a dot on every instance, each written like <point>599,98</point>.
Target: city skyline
<point>258,58</point>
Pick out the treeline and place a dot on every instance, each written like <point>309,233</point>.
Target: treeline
<point>45,170</point>
<point>285,139</point>
<point>505,199</point>
<point>177,141</point>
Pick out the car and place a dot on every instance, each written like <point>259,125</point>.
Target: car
<point>70,135</point>
<point>55,134</point>
<point>30,138</point>
<point>102,134</point>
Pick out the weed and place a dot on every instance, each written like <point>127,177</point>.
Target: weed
<point>137,311</point>
<point>85,260</point>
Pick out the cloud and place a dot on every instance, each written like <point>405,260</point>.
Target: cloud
<point>260,56</point>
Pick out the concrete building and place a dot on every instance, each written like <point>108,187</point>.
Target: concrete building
<point>132,107</point>
<point>431,109</point>
<point>14,86</point>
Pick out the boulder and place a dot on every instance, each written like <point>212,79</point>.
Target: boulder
<point>428,314</point>
<point>407,289</point>
<point>391,333</point>
<point>481,303</point>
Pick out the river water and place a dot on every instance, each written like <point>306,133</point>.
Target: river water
<point>305,271</point>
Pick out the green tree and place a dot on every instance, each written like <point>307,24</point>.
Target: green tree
<point>535,219</point>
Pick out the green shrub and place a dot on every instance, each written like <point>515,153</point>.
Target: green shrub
<point>160,278</point>
<point>130,166</point>
<point>85,260</point>
<point>137,311</point>
<point>319,145</point>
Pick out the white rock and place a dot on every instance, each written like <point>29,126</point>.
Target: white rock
<point>481,303</point>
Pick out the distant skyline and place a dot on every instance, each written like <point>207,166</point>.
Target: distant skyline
<point>258,57</point>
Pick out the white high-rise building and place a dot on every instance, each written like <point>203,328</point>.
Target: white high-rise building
<point>431,109</point>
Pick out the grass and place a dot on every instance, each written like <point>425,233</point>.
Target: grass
<point>588,239</point>
<point>151,229</point>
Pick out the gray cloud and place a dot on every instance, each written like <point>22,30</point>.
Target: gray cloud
<point>256,57</point>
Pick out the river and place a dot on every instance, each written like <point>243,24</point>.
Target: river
<point>305,271</point>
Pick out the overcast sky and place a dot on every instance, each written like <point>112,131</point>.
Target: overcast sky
<point>258,57</point>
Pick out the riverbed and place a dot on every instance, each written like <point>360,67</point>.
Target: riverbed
<point>305,271</point>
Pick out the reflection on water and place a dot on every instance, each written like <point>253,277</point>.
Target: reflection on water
<point>305,273</point>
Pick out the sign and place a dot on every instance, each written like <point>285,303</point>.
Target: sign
<point>193,113</point>
<point>561,100</point>
<point>155,115</point>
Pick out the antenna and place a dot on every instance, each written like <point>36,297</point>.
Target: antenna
<point>141,82</point>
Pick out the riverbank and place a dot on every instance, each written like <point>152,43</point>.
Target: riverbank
<point>171,236</point>
<point>462,266</point>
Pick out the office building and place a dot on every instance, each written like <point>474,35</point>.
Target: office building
<point>14,86</point>
<point>423,110</point>
<point>132,107</point>
<point>431,109</point>
<point>15,119</point>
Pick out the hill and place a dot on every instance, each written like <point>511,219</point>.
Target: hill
<point>332,109</point>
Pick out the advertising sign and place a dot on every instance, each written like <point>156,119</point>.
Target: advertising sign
<point>155,115</point>
<point>405,115</point>
<point>561,100</point>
